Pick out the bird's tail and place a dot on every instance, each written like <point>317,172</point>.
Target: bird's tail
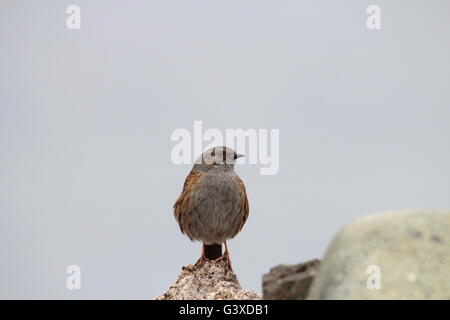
<point>212,251</point>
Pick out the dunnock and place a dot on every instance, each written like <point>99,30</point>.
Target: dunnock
<point>213,205</point>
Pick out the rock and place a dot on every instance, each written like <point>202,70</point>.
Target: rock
<point>406,253</point>
<point>208,282</point>
<point>289,282</point>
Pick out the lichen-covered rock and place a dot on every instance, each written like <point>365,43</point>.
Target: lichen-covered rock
<point>212,281</point>
<point>393,255</point>
<point>289,282</point>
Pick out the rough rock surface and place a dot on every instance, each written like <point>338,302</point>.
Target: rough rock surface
<point>406,253</point>
<point>289,282</point>
<point>208,282</point>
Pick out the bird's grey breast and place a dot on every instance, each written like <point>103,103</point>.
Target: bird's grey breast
<point>217,192</point>
<point>216,207</point>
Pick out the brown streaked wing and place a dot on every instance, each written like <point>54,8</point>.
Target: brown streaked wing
<point>244,202</point>
<point>181,206</point>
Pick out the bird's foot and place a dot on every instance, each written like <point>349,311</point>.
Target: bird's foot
<point>201,262</point>
<point>227,262</point>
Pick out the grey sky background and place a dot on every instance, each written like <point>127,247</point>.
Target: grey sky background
<point>86,118</point>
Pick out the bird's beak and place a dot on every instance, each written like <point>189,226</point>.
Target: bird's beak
<point>239,155</point>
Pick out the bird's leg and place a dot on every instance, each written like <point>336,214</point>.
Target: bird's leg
<point>200,262</point>
<point>227,256</point>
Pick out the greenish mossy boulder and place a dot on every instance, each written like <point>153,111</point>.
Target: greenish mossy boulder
<point>392,255</point>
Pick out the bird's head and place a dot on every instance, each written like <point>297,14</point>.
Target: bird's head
<point>218,156</point>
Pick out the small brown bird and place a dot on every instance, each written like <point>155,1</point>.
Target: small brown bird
<point>213,205</point>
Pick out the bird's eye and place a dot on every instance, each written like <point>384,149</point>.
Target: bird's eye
<point>213,152</point>
<point>235,156</point>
